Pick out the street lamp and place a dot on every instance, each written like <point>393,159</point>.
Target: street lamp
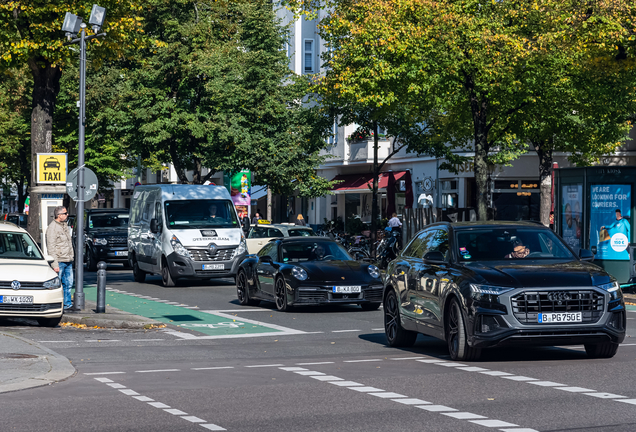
<point>72,26</point>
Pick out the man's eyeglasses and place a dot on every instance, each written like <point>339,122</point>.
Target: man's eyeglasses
<point>65,213</point>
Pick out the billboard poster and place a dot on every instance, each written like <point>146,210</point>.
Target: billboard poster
<point>610,230</point>
<point>240,187</point>
<point>571,215</point>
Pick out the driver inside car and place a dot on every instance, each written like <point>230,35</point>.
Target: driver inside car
<point>318,253</point>
<point>518,251</point>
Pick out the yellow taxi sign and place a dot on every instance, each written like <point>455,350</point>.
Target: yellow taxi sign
<point>52,167</point>
<point>263,222</point>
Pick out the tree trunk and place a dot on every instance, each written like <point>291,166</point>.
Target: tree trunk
<point>46,86</point>
<point>374,208</point>
<point>544,151</point>
<point>176,162</point>
<point>482,147</point>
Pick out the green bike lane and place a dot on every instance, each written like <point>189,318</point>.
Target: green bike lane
<point>212,325</point>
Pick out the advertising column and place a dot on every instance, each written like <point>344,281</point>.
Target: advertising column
<point>240,186</point>
<point>610,229</point>
<point>571,215</point>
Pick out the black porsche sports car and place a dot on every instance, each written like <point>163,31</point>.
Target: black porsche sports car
<point>307,271</point>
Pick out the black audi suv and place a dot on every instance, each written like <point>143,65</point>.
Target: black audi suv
<point>106,234</point>
<point>486,284</point>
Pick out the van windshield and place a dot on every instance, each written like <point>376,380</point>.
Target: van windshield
<point>201,214</point>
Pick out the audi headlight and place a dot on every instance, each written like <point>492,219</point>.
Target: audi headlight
<point>178,247</point>
<point>100,241</point>
<point>613,288</point>
<point>242,247</point>
<point>299,273</point>
<point>487,293</point>
<point>53,283</point>
<point>374,271</point>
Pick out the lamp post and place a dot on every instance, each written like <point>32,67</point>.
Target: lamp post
<point>73,26</point>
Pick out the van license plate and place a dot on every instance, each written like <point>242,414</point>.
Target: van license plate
<point>213,267</point>
<point>347,289</point>
<point>560,317</point>
<point>121,253</point>
<point>16,299</point>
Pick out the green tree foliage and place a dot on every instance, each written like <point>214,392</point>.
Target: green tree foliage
<point>15,127</point>
<point>216,92</point>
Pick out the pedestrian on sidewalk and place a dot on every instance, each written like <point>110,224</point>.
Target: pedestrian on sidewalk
<point>396,225</point>
<point>245,222</point>
<point>256,218</point>
<point>60,246</point>
<point>300,220</point>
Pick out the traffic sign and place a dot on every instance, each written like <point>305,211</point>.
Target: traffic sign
<point>52,167</point>
<point>90,185</point>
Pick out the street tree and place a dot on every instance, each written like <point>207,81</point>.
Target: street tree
<point>30,36</point>
<point>216,93</point>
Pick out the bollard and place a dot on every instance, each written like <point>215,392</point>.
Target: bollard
<point>101,287</point>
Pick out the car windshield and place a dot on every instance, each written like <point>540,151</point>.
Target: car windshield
<point>297,232</point>
<point>18,246</point>
<point>201,214</point>
<point>493,244</point>
<point>314,251</point>
<point>107,220</point>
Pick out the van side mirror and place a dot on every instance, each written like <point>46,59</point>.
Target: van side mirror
<point>586,255</point>
<point>435,257</point>
<point>154,226</point>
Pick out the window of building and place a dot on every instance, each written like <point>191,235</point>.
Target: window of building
<point>309,55</point>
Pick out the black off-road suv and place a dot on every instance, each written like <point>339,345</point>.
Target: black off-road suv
<point>481,285</point>
<point>106,237</point>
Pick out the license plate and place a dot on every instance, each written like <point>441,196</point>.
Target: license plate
<point>347,289</point>
<point>213,267</point>
<point>560,317</point>
<point>16,299</point>
<point>121,253</point>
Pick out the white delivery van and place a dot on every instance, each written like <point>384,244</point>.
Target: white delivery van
<point>184,231</point>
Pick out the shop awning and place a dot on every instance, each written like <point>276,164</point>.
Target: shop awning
<point>363,182</point>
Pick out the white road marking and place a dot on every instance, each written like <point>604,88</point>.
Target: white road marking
<point>519,430</point>
<point>605,395</point>
<point>159,370</point>
<point>147,340</point>
<point>435,408</point>
<point>143,398</point>
<point>265,365</point>
<point>473,369</point>
<point>284,330</point>
<point>345,383</point>
<point>495,373</point>
<point>104,380</point>
<point>315,363</point>
<point>546,384</point>
<point>104,373</point>
<point>432,361</point>
<point>102,340</point>
<point>344,331</point>
<point>193,419</point>
<point>291,369</point>
<point>411,401</point>
<point>627,344</point>
<point>629,401</point>
<point>158,405</point>
<point>195,307</point>
<point>129,392</point>
<point>239,310</point>
<point>464,415</point>
<point>574,389</point>
<point>492,423</point>
<point>378,329</point>
<point>213,368</point>
<point>309,373</point>
<point>387,395</point>
<point>326,378</point>
<point>366,389</point>
<point>519,378</point>
<point>116,386</point>
<point>452,364</point>
<point>175,412</point>
<point>213,427</point>
<point>173,303</point>
<point>407,358</point>
<point>57,341</point>
<point>362,361</point>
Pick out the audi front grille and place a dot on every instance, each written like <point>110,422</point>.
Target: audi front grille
<point>528,304</point>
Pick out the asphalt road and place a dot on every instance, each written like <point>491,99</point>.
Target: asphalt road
<point>325,369</point>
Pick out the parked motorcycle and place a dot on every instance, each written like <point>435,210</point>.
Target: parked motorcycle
<point>388,248</point>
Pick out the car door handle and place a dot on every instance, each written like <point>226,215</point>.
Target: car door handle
<point>260,271</point>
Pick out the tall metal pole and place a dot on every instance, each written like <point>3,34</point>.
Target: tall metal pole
<point>78,303</point>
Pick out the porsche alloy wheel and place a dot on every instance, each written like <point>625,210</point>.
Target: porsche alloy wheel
<point>242,291</point>
<point>280,295</point>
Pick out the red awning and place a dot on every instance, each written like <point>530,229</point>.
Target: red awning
<point>363,182</point>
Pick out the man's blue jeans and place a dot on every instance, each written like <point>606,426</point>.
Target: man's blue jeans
<point>66,276</point>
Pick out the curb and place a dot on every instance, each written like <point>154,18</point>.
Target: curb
<point>90,321</point>
<point>60,369</point>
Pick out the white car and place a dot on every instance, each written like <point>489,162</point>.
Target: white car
<point>261,234</point>
<point>29,287</point>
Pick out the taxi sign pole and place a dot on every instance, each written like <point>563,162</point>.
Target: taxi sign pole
<point>78,301</point>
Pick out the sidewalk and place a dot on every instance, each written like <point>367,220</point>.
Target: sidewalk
<point>25,364</point>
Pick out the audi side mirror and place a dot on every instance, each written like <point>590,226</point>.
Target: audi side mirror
<point>586,255</point>
<point>434,257</point>
<point>154,226</point>
<point>265,259</point>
